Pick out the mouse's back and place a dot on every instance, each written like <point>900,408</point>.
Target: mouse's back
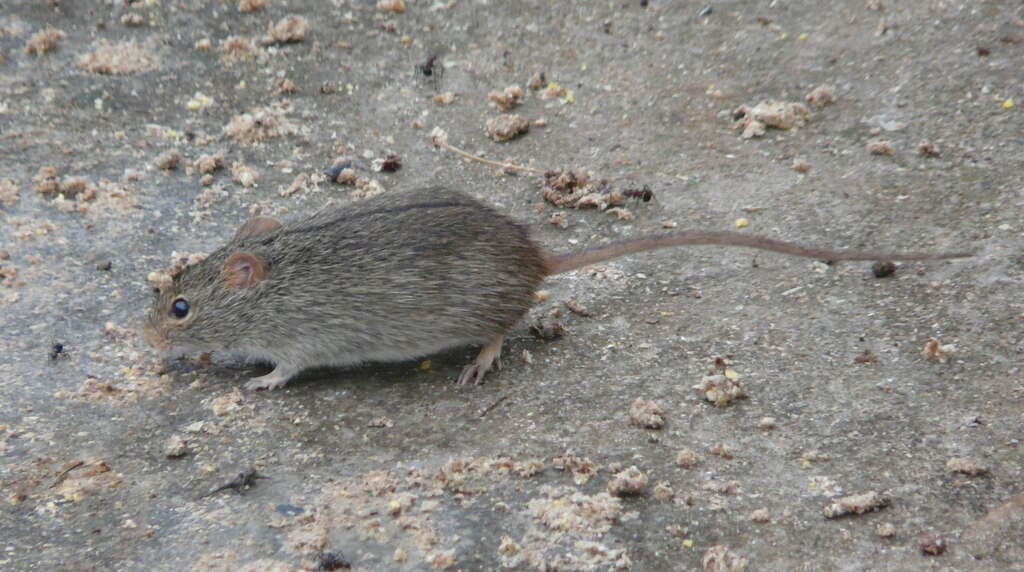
<point>393,277</point>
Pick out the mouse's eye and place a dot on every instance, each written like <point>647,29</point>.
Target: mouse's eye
<point>179,309</point>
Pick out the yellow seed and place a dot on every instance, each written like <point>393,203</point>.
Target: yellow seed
<point>802,37</point>
<point>742,223</point>
<point>687,543</point>
<point>1008,104</point>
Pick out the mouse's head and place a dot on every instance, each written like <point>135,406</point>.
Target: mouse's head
<point>207,306</point>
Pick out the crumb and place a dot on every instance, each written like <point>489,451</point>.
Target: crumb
<point>132,20</point>
<point>731,488</point>
<point>365,188</point>
<point>582,468</point>
<point>857,504</point>
<point>246,6</point>
<point>559,219</point>
<point>719,558</point>
<point>203,45</point>
<point>880,147</point>
<point>935,351</point>
<point>927,149</point>
<point>821,95</point>
<point>290,29</point>
<point>236,48</point>
<point>508,99</point>
<point>663,491</point>
<point>44,41</point>
<point>116,59</point>
<point>720,389</point>
<point>760,516</point>
<point>74,186</point>
<point>396,6</point>
<point>540,122</point>
<point>800,165</point>
<point>259,124</point>
<point>885,530</point>
<point>577,309</point>
<point>865,357</point>
<point>781,115</point>
<point>243,174</point>
<point>9,193</point>
<point>284,85</point>
<point>176,446</point>
<point>966,466</point>
<point>506,127</point>
<point>766,423</point>
<point>444,98</point>
<point>8,277</point>
<point>206,164</point>
<point>931,545</point>
<point>381,422</point>
<point>813,456</point>
<point>46,181</point>
<point>721,450</point>
<point>621,213</point>
<point>400,555</point>
<point>168,160</point>
<point>536,81</point>
<point>687,458</point>
<point>346,176</point>
<point>297,184</point>
<point>389,164</point>
<point>646,414</point>
<point>553,90</point>
<point>548,327</point>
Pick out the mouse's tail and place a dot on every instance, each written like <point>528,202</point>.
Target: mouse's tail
<point>558,263</point>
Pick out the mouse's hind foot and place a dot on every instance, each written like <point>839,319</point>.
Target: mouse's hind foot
<point>489,356</point>
<point>273,380</point>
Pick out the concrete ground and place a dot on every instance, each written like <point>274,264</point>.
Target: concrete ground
<point>392,467</point>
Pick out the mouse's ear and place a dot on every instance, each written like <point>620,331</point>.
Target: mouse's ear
<point>243,270</point>
<point>255,226</point>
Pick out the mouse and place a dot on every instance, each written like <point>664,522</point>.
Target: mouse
<point>391,278</point>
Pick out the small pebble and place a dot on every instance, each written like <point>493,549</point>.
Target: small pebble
<point>883,268</point>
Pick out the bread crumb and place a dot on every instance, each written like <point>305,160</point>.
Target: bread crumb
<point>396,6</point>
<point>259,124</point>
<point>46,181</point>
<point>243,174</point>
<point>290,29</point>
<point>966,466</point>
<point>885,530</point>
<point>766,423</point>
<point>582,468</point>
<point>206,164</point>
<point>133,19</point>
<point>506,127</point>
<point>857,504</point>
<point>928,149</point>
<point>760,516</point>
<point>506,100</point>
<point>247,6</point>
<point>621,213</point>
<point>44,41</point>
<point>770,113</point>
<point>821,95</point>
<point>880,147</point>
<point>719,558</point>
<point>800,165</point>
<point>646,414</point>
<point>663,491</point>
<point>936,351</point>
<point>176,446</point>
<point>168,160</point>
<point>687,458</point>
<point>629,481</point>
<point>720,389</point>
<point>444,98</point>
<point>117,59</point>
<point>9,193</point>
<point>721,450</point>
<point>365,188</point>
<point>238,48</point>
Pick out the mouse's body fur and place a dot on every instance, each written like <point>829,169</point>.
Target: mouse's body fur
<point>396,277</point>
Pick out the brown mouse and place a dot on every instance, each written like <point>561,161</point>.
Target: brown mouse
<point>392,278</point>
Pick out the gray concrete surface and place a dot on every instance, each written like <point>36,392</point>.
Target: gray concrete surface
<point>84,478</point>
